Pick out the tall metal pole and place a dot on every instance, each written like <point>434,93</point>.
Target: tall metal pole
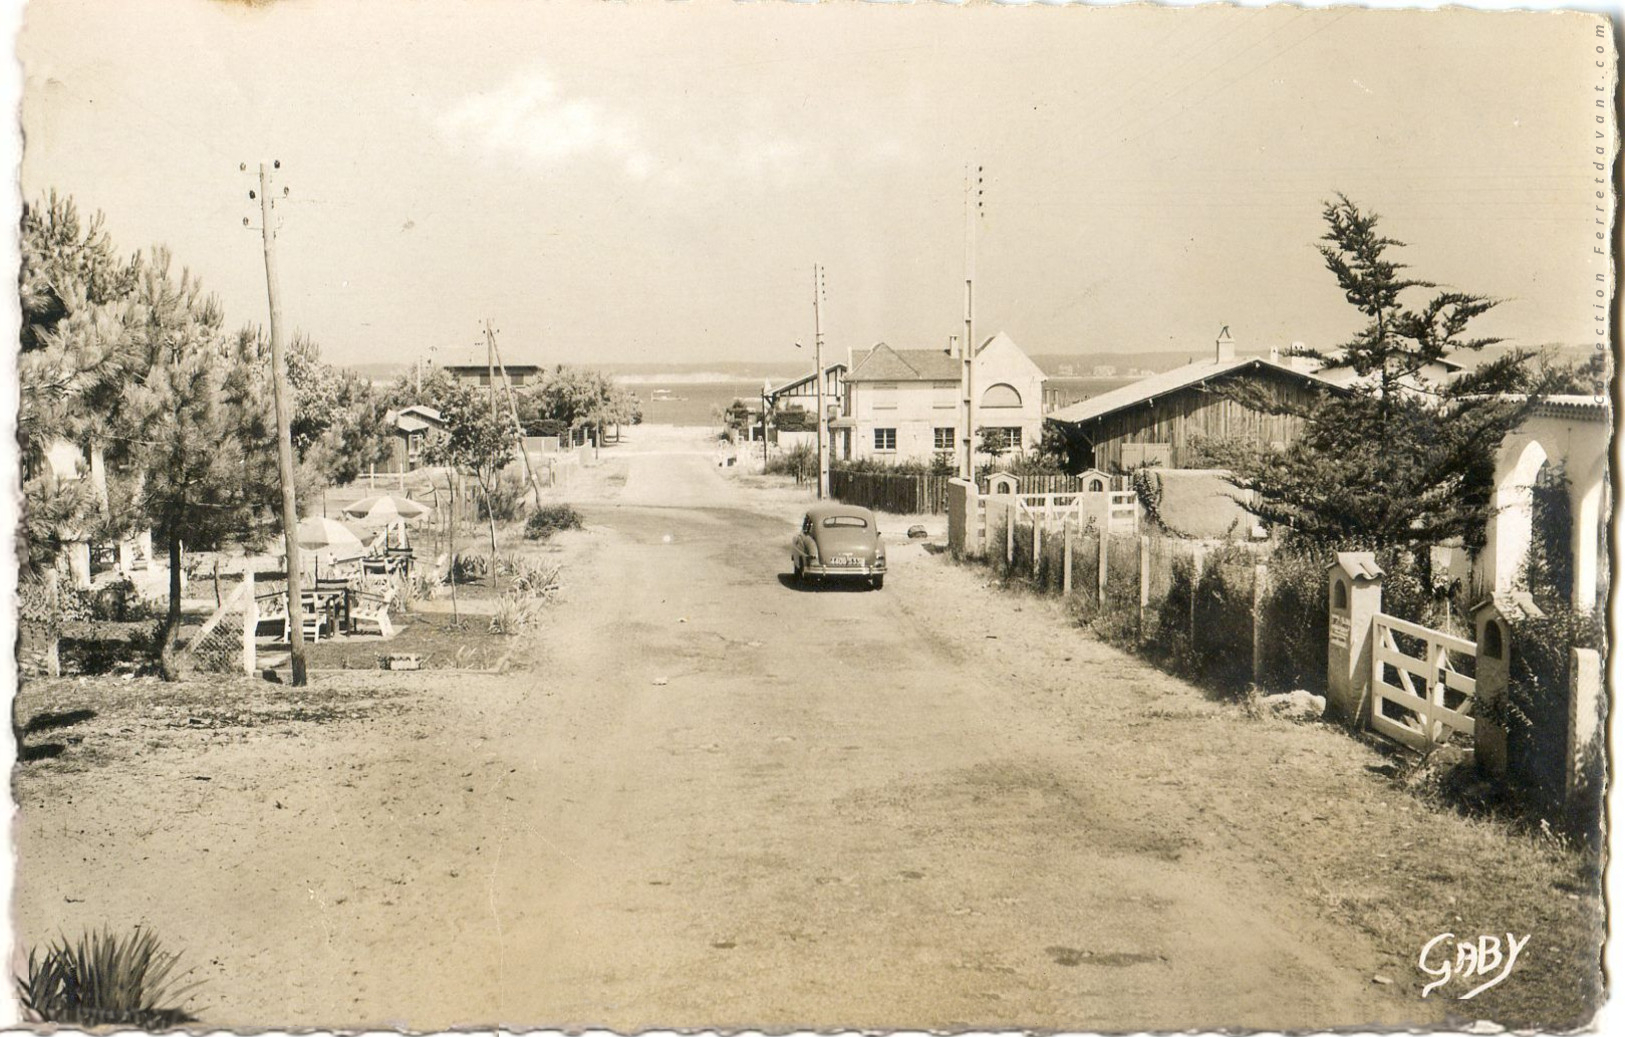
<point>284,438</point>
<point>818,378</point>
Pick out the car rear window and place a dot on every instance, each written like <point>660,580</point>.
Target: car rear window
<point>851,521</point>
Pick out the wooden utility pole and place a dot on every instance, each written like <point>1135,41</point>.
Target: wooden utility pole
<point>513,409</point>
<point>284,438</point>
<point>818,378</point>
<point>973,209</point>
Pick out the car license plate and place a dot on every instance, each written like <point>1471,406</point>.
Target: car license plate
<point>844,560</point>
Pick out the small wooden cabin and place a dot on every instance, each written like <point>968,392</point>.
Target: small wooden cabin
<point>1158,420</point>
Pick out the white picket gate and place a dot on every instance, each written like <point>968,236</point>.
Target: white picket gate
<point>1431,698</point>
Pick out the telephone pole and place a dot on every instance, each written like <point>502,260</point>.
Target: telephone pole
<point>284,438</point>
<point>818,378</point>
<point>967,378</point>
<point>513,410</point>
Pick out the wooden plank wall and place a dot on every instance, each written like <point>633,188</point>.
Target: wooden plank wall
<point>1202,412</point>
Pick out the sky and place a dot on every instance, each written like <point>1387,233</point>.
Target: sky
<point>647,183</point>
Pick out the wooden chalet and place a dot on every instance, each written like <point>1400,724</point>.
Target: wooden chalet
<point>1159,420</point>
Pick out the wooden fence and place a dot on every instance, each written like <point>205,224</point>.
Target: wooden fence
<point>1213,610</point>
<point>899,493</point>
<point>1036,484</point>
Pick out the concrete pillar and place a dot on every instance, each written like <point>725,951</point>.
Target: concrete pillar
<point>1586,707</point>
<point>77,555</point>
<point>1586,504</point>
<point>1506,541</point>
<point>1491,669</point>
<point>962,506</point>
<point>1354,592</point>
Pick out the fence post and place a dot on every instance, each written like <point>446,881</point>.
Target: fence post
<point>1105,541</point>
<point>1145,585</point>
<point>1066,557</point>
<point>1038,545</point>
<point>1355,598</point>
<point>1196,580</point>
<point>1492,663</point>
<point>1009,537</point>
<point>1260,585</point>
<point>251,621</point>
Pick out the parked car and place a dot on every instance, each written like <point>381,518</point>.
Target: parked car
<point>839,541</point>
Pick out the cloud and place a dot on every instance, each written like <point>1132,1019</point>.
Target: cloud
<point>531,119</point>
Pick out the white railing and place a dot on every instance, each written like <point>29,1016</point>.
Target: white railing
<point>1432,699</point>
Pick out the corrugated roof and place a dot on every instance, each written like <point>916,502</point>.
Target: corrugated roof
<point>885,364</point>
<point>1156,385</point>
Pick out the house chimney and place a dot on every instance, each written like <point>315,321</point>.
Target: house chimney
<point>953,345</point>
<point>1275,354</point>
<point>1225,348</point>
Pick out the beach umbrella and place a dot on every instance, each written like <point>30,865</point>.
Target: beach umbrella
<point>330,537</point>
<point>385,510</point>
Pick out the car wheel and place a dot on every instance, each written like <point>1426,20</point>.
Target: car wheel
<point>877,582</point>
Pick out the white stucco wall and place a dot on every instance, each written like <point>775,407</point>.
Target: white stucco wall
<point>916,409</point>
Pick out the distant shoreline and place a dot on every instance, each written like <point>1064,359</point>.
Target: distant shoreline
<point>690,378</point>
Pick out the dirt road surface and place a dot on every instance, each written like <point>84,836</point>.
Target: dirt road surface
<point>706,797</point>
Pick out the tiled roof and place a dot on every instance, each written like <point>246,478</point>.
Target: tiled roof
<point>885,364</point>
<point>1147,389</point>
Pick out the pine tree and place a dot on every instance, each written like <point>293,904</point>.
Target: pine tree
<point>1400,462</point>
<point>186,439</point>
<point>73,359</point>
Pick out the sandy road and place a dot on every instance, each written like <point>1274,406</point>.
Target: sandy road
<point>716,799</point>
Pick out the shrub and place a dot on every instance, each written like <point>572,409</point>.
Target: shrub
<point>1295,621</point>
<point>1222,645</point>
<point>547,427</point>
<point>550,519</point>
<point>513,614</point>
<point>471,568</point>
<point>115,602</point>
<point>795,419</point>
<point>506,500</point>
<point>1537,709</point>
<point>800,461</point>
<point>534,578</point>
<point>882,467</point>
<point>105,980</point>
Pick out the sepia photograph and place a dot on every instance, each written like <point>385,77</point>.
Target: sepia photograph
<point>821,516</point>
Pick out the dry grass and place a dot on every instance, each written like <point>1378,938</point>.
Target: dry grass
<point>1342,821</point>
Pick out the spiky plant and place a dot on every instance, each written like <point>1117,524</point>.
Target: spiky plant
<point>106,980</point>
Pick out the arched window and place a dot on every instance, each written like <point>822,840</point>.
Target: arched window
<point>1340,595</point>
<point>1492,640</point>
<point>1096,486</point>
<point>1001,395</point>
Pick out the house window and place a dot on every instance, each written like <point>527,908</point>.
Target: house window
<point>885,439</point>
<point>885,396</point>
<point>1001,395</point>
<point>1010,437</point>
<point>942,438</point>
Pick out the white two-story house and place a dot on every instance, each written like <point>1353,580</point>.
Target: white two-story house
<point>905,404</point>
